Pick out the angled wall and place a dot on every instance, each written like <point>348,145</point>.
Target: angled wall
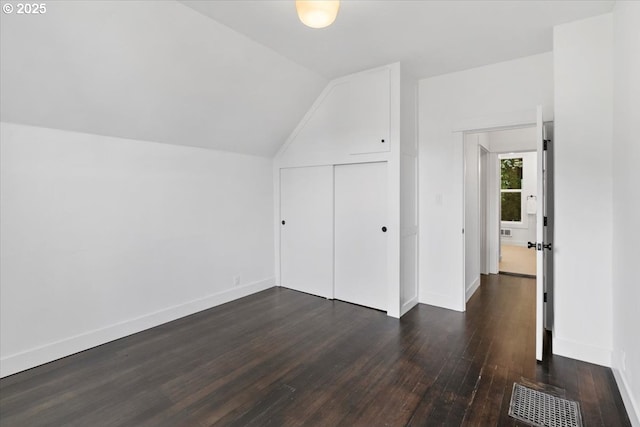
<point>361,118</point>
<point>150,70</point>
<point>114,219</point>
<point>351,121</point>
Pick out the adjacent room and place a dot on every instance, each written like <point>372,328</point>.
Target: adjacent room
<point>518,206</point>
<point>319,212</point>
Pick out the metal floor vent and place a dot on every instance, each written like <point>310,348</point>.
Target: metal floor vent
<point>542,409</point>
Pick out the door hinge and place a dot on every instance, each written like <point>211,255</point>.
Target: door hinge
<point>545,297</point>
<point>545,221</point>
<point>544,144</point>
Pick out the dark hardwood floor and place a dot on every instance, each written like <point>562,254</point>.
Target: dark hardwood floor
<point>284,358</point>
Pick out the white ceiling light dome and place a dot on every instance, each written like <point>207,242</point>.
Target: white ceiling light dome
<point>317,13</point>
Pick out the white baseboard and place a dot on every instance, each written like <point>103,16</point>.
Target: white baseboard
<point>472,289</point>
<point>37,356</point>
<point>580,351</point>
<point>625,391</point>
<point>443,301</point>
<point>408,306</point>
<point>632,406</point>
<point>508,241</point>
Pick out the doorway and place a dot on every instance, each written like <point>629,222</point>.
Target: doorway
<point>511,202</point>
<point>500,178</point>
<point>518,211</point>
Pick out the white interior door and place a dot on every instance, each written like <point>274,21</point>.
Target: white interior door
<point>360,234</point>
<point>306,229</point>
<point>548,226</point>
<point>540,277</point>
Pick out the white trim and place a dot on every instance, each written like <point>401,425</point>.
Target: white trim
<point>276,224</point>
<point>514,224</point>
<point>472,289</point>
<point>56,350</point>
<point>509,242</point>
<point>540,265</point>
<point>580,351</point>
<point>459,144</point>
<point>408,305</point>
<point>409,231</point>
<point>494,213</point>
<point>625,391</point>
<point>483,217</point>
<point>508,120</point>
<point>443,301</point>
<point>393,191</point>
<point>501,121</point>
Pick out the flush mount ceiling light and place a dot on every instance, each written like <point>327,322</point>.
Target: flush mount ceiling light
<point>317,13</point>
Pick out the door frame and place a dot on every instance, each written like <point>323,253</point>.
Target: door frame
<point>490,123</point>
<point>513,120</point>
<point>483,214</point>
<point>492,218</point>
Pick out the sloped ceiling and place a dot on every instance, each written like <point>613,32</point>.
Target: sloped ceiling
<point>429,37</point>
<point>239,75</point>
<point>150,70</point>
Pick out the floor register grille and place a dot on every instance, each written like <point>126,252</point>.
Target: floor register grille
<point>542,409</point>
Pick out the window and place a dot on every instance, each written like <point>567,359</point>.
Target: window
<point>511,189</point>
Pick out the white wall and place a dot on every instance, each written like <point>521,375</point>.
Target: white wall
<point>513,140</point>
<point>525,231</point>
<point>507,91</point>
<point>626,203</point>
<point>102,237</point>
<point>583,191</point>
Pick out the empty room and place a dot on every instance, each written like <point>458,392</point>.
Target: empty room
<point>319,213</point>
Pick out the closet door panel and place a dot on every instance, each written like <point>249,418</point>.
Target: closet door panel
<point>360,242</point>
<point>306,229</point>
<point>369,119</point>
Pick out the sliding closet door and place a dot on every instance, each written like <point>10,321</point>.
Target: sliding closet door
<point>306,229</point>
<point>360,234</point>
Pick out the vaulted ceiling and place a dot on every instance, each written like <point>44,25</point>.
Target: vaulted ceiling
<point>239,75</point>
<point>429,37</point>
<point>150,70</point>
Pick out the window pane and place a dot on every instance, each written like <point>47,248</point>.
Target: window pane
<point>511,206</point>
<point>511,173</point>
